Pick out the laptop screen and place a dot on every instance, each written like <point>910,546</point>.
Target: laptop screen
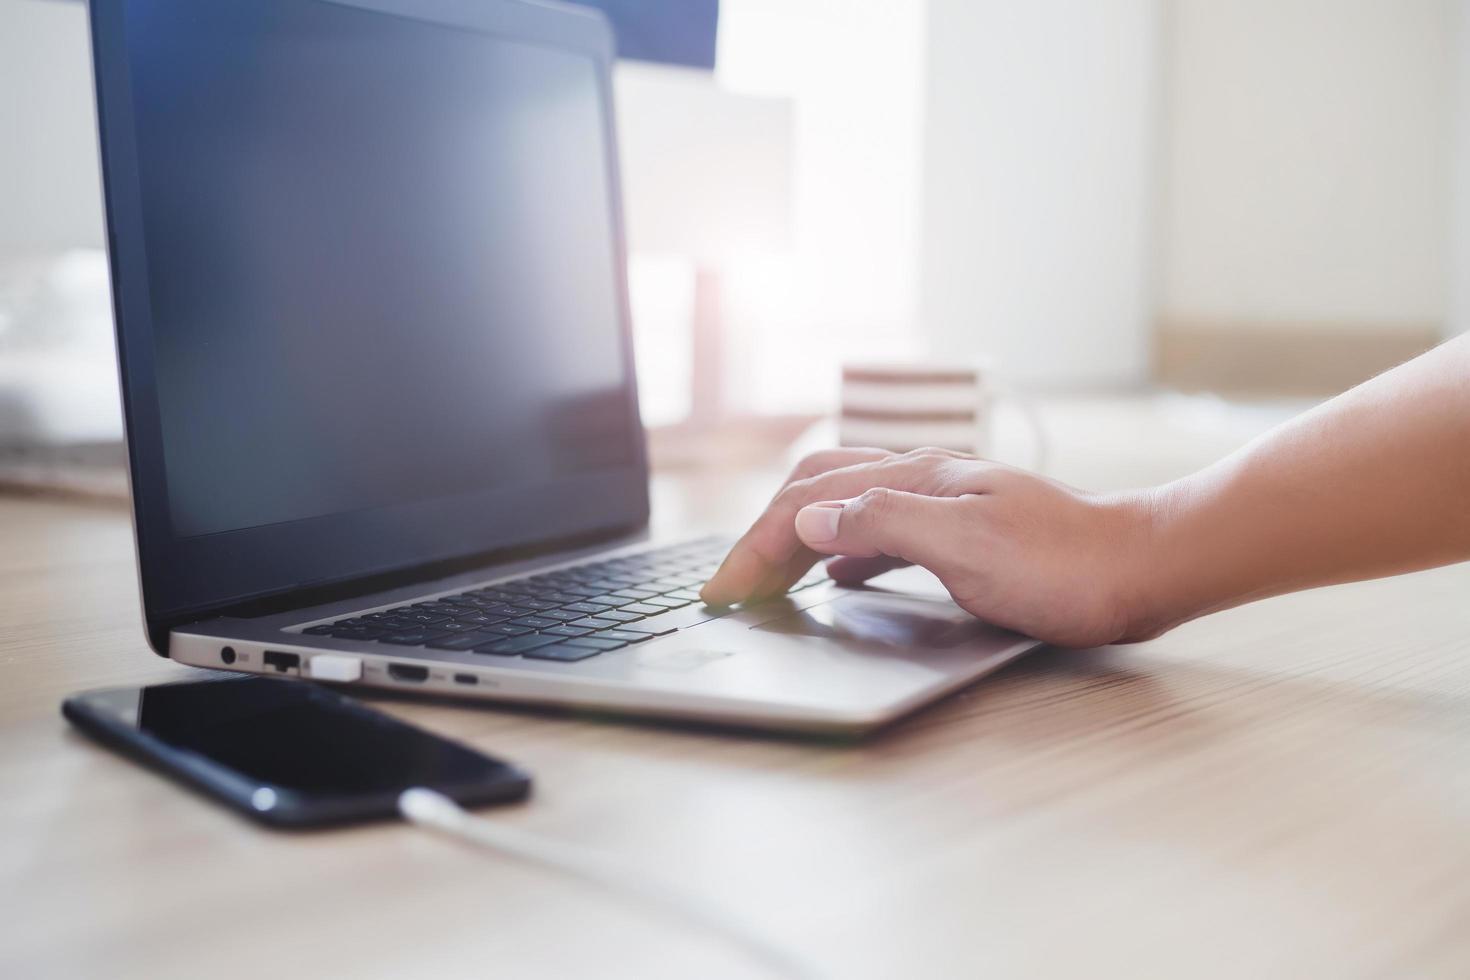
<point>383,280</point>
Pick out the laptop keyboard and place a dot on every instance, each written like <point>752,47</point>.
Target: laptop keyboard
<point>567,614</point>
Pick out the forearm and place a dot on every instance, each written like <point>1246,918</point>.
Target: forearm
<point>1372,483</point>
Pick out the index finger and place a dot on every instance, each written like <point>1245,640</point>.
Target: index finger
<point>770,555</point>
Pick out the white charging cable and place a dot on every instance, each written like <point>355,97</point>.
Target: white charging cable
<point>437,812</point>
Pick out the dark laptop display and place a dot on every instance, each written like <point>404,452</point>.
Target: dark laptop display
<point>370,289</point>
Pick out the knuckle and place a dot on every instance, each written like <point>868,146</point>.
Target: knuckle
<point>919,470</point>
<point>974,475</point>
<point>949,478</point>
<point>924,456</point>
<point>769,547</point>
<point>936,454</point>
<point>874,503</point>
<point>825,460</point>
<point>795,493</point>
<point>814,462</point>
<point>904,463</point>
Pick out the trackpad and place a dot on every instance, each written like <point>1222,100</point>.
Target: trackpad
<point>884,618</point>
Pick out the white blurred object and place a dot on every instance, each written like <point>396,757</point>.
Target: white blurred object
<point>58,366</point>
<point>847,288</point>
<point>706,177</point>
<point>706,172</point>
<point>904,406</point>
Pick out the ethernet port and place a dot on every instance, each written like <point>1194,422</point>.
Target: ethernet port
<point>282,662</point>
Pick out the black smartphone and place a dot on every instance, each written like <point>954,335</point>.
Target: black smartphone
<point>288,753</point>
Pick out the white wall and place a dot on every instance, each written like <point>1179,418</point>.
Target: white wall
<point>1038,185</point>
<point>1306,162</point>
<point>50,196</point>
<point>1458,319</point>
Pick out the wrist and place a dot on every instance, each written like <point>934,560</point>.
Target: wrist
<point>1153,593</point>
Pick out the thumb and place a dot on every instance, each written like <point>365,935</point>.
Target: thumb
<point>910,526</point>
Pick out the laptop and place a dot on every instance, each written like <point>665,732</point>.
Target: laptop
<point>372,324</point>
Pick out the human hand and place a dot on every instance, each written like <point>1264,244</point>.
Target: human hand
<point>1013,548</point>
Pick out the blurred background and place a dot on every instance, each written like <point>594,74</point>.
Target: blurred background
<point>1208,206</point>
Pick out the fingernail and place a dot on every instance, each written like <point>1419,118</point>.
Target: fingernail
<point>817,523</point>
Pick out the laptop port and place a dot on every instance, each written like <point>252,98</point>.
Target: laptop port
<point>466,679</point>
<point>227,655</point>
<point>282,662</point>
<point>408,672</point>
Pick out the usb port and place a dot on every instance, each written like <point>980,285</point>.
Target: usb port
<point>282,662</point>
<point>408,672</point>
<point>466,679</point>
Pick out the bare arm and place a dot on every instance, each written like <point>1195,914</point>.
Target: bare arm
<point>1374,482</point>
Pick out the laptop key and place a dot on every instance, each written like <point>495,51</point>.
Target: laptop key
<point>523,587</point>
<point>566,629</point>
<point>586,607</point>
<point>454,626</point>
<point>488,604</point>
<point>358,633</point>
<point>643,609</point>
<point>597,643</point>
<point>517,645</point>
<point>438,606</point>
<point>650,628</point>
<point>627,636</point>
<point>619,616</point>
<point>397,626</point>
<point>462,641</point>
<point>482,619</point>
<point>413,638</point>
<point>512,609</point>
<point>612,599</point>
<point>593,623</point>
<point>507,629</point>
<point>606,585</point>
<point>562,615</point>
<point>563,652</point>
<point>580,590</point>
<point>668,602</point>
<point>535,622</point>
<point>493,596</point>
<point>424,617</point>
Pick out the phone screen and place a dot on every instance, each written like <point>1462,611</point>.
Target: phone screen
<point>287,751</point>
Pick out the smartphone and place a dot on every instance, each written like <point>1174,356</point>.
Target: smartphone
<point>288,753</point>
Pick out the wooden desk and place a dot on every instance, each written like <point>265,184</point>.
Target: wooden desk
<point>1282,791</point>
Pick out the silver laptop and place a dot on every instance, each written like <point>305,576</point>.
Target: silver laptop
<point>382,423</point>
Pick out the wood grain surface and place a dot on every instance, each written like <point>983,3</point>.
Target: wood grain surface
<point>1278,791</point>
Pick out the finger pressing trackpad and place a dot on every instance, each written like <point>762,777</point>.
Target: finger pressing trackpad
<point>883,618</point>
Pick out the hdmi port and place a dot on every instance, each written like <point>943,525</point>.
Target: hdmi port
<point>408,672</point>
